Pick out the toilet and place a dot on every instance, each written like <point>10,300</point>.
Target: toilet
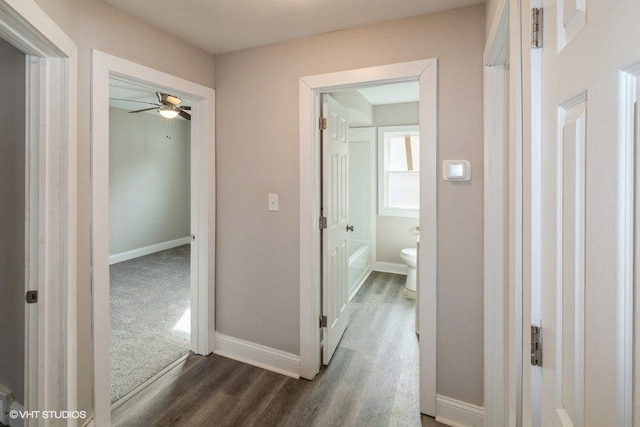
<point>409,257</point>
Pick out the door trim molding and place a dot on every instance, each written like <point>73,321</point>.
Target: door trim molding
<point>51,203</point>
<point>496,219</point>
<point>627,253</point>
<point>105,66</point>
<point>310,87</point>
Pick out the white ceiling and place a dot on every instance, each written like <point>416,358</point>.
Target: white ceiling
<point>219,26</point>
<point>394,93</point>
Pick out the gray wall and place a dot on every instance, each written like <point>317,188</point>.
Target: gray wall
<point>12,218</point>
<point>149,192</point>
<point>257,128</point>
<point>94,24</point>
<point>392,232</point>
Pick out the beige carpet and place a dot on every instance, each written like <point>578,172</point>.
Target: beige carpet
<point>149,297</point>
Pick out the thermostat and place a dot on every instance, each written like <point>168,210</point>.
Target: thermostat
<point>456,170</point>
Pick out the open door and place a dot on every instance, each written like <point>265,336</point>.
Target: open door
<point>591,60</point>
<point>335,236</point>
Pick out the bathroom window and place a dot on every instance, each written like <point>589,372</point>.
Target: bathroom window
<point>399,171</point>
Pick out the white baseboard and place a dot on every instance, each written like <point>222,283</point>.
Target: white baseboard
<point>457,413</point>
<point>257,355</point>
<point>148,250</point>
<point>391,267</point>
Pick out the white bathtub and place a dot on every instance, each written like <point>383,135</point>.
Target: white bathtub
<point>359,264</point>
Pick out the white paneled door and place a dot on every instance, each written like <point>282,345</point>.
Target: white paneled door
<point>590,64</point>
<point>335,237</point>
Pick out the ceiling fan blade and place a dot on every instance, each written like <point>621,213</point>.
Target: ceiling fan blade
<point>184,115</point>
<point>133,100</point>
<point>185,107</point>
<point>144,109</point>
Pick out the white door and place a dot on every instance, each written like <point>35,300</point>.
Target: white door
<point>335,237</point>
<point>590,64</point>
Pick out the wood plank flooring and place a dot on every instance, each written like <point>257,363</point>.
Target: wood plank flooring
<point>372,379</point>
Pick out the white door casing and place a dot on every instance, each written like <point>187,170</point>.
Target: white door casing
<point>501,196</point>
<point>51,197</point>
<point>426,71</point>
<point>202,209</point>
<point>335,238</point>
<point>591,63</point>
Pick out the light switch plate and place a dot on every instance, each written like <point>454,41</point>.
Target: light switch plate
<point>456,170</point>
<point>274,204</point>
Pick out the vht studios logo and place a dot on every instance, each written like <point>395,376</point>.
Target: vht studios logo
<point>51,415</point>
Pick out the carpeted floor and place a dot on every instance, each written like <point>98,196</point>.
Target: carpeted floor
<point>150,320</point>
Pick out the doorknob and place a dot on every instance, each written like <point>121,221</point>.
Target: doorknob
<point>349,227</point>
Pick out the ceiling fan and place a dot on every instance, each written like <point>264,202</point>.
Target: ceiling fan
<point>168,106</point>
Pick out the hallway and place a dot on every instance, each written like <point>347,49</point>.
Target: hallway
<point>372,379</point>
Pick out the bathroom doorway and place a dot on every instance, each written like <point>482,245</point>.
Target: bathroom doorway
<point>312,285</point>
<point>370,195</point>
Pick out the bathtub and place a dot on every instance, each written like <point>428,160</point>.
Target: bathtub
<point>359,264</point>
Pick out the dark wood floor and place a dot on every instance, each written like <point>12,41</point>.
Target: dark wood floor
<point>372,379</point>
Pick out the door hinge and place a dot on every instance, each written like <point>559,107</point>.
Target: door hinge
<point>323,222</point>
<point>536,345</point>
<point>536,28</point>
<point>323,321</point>
<point>323,123</point>
<point>31,297</point>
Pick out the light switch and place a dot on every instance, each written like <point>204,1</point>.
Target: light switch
<point>273,202</point>
<point>456,170</point>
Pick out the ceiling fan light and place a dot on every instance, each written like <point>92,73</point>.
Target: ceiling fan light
<point>168,112</point>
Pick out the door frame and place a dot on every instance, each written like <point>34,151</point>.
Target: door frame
<point>51,204</point>
<point>502,225</point>
<point>310,88</point>
<point>202,209</point>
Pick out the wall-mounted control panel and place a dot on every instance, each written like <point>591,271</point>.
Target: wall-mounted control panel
<point>456,170</point>
<point>274,204</point>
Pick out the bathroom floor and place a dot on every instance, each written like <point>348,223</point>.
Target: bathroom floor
<point>372,379</point>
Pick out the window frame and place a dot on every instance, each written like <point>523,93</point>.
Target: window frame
<point>383,173</point>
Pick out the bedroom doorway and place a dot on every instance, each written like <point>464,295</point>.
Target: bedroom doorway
<point>149,234</point>
<point>201,203</point>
